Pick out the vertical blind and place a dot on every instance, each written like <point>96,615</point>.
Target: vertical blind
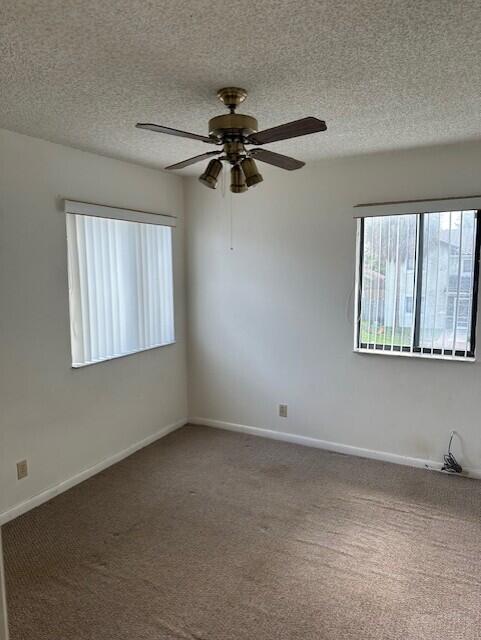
<point>120,287</point>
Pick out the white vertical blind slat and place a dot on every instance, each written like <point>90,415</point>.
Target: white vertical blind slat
<point>76,282</point>
<point>164,293</point>
<point>148,276</point>
<point>112,239</point>
<point>448,274</point>
<point>460,261</point>
<point>73,285</point>
<point>157,289</point>
<point>121,294</point>
<point>169,285</point>
<point>416,270</point>
<point>471,279</point>
<point>106,287</point>
<point>403,284</point>
<point>140,288</point>
<point>425,277</point>
<point>376,326</point>
<point>412,263</point>
<point>88,250</point>
<point>151,286</point>
<point>99,289</point>
<point>396,279</point>
<point>387,317</point>
<point>370,282</point>
<point>433,331</point>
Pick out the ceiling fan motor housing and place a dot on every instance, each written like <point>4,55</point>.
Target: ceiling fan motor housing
<point>232,125</point>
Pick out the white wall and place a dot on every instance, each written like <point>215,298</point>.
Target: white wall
<point>271,321</point>
<point>62,420</point>
<point>3,598</point>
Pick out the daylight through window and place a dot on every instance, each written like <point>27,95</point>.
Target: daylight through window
<point>417,283</point>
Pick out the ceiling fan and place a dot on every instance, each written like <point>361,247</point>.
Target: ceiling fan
<point>233,131</point>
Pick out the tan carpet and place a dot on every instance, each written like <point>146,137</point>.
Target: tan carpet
<point>220,536</point>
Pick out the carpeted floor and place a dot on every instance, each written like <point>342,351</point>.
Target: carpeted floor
<point>210,535</point>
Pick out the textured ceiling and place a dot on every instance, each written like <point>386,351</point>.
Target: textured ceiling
<point>383,74</point>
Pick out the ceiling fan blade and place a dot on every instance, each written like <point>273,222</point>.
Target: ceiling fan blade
<point>189,161</point>
<point>293,129</point>
<point>277,159</point>
<point>173,132</point>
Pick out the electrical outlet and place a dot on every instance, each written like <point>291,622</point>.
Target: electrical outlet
<point>22,469</point>
<point>283,410</point>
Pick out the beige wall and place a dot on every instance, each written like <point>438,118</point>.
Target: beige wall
<point>272,321</point>
<point>62,420</point>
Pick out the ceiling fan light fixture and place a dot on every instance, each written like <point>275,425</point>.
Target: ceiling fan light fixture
<point>251,172</point>
<point>210,175</point>
<point>237,180</point>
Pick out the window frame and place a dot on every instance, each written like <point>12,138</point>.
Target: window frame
<point>415,350</point>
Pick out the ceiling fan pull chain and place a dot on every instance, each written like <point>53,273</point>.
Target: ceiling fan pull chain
<point>231,225</point>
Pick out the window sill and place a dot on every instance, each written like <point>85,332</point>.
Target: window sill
<point>81,365</point>
<point>413,354</point>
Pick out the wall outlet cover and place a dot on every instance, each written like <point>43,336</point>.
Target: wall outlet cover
<point>22,469</point>
<point>283,410</point>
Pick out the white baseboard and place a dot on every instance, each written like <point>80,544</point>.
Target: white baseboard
<point>336,447</point>
<point>307,441</point>
<point>51,492</point>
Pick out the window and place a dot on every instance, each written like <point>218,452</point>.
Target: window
<point>120,286</point>
<point>418,283</point>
